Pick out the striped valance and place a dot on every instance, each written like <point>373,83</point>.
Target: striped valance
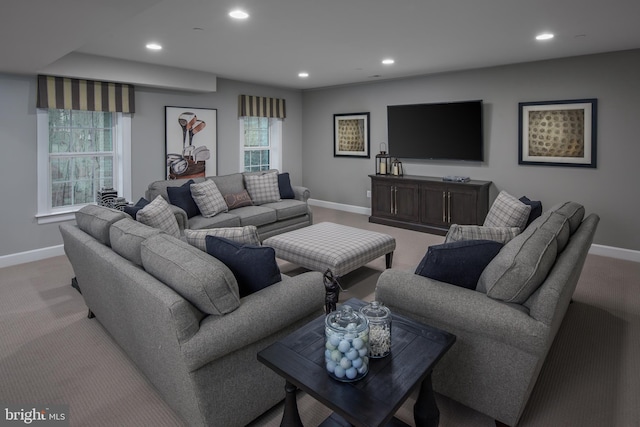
<point>74,94</point>
<point>260,106</point>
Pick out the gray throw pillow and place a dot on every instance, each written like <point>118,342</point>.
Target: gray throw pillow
<point>158,214</point>
<point>208,198</point>
<point>263,188</point>
<point>507,211</point>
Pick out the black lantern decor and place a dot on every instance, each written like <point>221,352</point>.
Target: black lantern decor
<point>396,167</point>
<point>383,161</point>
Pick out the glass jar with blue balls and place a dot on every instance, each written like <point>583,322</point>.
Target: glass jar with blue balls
<point>346,352</point>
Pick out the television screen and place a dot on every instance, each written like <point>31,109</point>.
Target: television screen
<point>447,131</point>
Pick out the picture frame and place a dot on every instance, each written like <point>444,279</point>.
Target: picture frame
<point>558,133</point>
<point>190,142</point>
<point>351,135</point>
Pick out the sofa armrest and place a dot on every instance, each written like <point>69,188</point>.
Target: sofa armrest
<point>260,315</point>
<point>454,308</point>
<point>302,193</point>
<point>181,217</point>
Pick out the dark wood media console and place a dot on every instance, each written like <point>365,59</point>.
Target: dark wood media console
<point>427,204</point>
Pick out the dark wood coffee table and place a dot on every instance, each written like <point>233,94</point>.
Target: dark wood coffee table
<point>373,400</point>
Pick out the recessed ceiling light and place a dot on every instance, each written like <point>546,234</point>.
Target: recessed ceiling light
<point>238,14</point>
<point>388,61</point>
<point>303,74</point>
<point>154,46</point>
<point>544,36</point>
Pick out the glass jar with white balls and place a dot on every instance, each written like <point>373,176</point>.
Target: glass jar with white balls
<point>379,318</point>
<point>346,353</point>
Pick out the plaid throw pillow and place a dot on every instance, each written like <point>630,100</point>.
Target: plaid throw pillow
<point>158,214</point>
<point>263,188</point>
<point>507,211</point>
<point>459,233</point>
<point>208,198</point>
<point>247,235</point>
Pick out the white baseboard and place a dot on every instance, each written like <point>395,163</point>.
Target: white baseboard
<point>30,256</point>
<point>340,207</point>
<point>613,252</point>
<point>608,251</point>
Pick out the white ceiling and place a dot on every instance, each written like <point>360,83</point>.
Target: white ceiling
<point>336,42</point>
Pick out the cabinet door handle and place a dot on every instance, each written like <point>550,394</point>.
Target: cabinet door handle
<point>391,200</point>
<point>444,213</point>
<point>395,200</point>
<point>449,206</point>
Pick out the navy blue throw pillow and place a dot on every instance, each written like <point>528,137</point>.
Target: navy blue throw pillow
<point>133,210</point>
<point>284,185</point>
<point>536,208</point>
<point>458,263</point>
<point>254,267</point>
<point>181,197</point>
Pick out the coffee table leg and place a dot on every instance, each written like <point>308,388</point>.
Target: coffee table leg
<point>389,259</point>
<point>425,411</point>
<point>291,416</point>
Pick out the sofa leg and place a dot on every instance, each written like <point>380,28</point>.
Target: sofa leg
<point>90,315</point>
<point>74,284</point>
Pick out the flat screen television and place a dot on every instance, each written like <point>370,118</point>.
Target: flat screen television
<point>439,131</point>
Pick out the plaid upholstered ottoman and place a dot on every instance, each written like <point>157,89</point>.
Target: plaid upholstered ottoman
<point>336,247</point>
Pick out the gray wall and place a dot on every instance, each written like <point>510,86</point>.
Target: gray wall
<point>610,190</point>
<point>19,231</point>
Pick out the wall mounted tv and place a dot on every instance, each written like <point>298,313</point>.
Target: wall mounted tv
<point>442,131</point>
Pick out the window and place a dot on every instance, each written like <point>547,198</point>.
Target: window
<point>79,153</point>
<point>260,142</point>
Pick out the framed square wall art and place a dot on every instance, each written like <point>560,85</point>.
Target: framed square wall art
<point>558,133</point>
<point>190,142</point>
<point>351,135</point>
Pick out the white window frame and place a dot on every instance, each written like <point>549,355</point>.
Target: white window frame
<point>275,143</point>
<point>122,165</point>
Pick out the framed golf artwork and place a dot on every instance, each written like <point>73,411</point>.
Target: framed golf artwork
<point>190,142</point>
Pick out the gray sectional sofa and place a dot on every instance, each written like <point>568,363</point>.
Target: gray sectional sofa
<point>177,313</point>
<point>271,218</point>
<point>506,325</point>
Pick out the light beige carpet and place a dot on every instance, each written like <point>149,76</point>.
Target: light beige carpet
<point>51,353</point>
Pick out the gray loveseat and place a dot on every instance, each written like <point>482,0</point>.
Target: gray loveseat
<point>176,312</point>
<point>505,326</point>
<point>270,218</point>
